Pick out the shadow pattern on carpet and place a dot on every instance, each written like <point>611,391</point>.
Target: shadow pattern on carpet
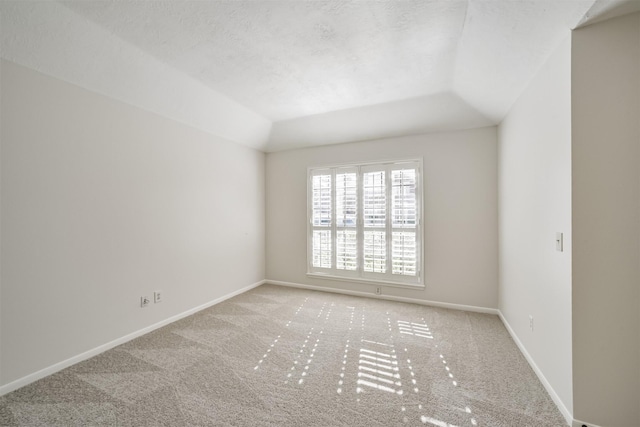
<point>277,356</point>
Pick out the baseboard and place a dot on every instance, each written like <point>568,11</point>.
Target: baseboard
<point>556,399</point>
<point>386,297</point>
<point>578,423</point>
<point>21,382</point>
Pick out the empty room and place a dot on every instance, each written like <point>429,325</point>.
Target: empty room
<point>320,213</point>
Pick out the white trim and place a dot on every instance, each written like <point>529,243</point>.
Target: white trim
<point>578,423</point>
<point>367,163</point>
<point>21,382</point>
<point>461,307</point>
<point>366,280</point>
<point>554,396</point>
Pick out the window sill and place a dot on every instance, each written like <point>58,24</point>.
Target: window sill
<point>367,281</point>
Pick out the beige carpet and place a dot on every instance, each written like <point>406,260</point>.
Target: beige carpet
<point>276,356</point>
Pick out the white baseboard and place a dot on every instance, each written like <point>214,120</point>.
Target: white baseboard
<point>21,382</point>
<point>578,423</point>
<point>386,297</point>
<point>556,399</point>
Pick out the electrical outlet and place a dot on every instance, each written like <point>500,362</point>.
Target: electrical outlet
<point>157,296</point>
<point>144,301</point>
<point>531,322</point>
<point>378,291</point>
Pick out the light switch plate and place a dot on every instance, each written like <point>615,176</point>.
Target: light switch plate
<point>559,242</point>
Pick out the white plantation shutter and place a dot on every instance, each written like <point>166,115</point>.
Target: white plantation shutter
<point>321,216</point>
<point>322,248</point>
<point>347,250</point>
<point>346,199</point>
<point>364,223</point>
<point>374,199</point>
<point>346,220</point>
<point>375,251</point>
<point>403,253</point>
<point>321,201</point>
<point>404,221</point>
<point>403,198</point>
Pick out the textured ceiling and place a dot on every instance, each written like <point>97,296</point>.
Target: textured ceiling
<point>275,74</point>
<point>286,59</point>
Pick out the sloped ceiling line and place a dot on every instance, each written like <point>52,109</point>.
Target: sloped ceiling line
<point>50,38</point>
<point>278,74</point>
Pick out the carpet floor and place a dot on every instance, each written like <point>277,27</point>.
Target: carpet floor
<point>277,356</point>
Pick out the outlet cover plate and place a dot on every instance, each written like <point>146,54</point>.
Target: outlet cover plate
<point>144,302</point>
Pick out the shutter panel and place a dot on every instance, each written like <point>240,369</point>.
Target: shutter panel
<point>346,199</point>
<point>322,248</point>
<point>321,211</point>
<point>321,201</point>
<point>404,217</point>
<point>403,253</point>
<point>346,220</point>
<point>403,198</point>
<point>346,250</point>
<point>374,199</point>
<point>375,252</point>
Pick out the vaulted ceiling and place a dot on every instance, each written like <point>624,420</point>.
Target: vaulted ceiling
<point>276,74</point>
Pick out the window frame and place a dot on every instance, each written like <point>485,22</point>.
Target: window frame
<point>359,275</point>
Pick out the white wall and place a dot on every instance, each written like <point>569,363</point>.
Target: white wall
<point>1,126</point>
<point>460,192</point>
<point>606,222</point>
<point>101,203</point>
<point>535,203</point>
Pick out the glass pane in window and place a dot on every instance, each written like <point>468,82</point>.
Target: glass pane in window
<point>322,248</point>
<point>374,199</point>
<point>375,248</point>
<point>403,253</point>
<point>321,200</point>
<point>346,250</point>
<point>403,198</point>
<point>346,199</point>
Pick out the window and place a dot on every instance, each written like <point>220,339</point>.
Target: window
<point>364,222</point>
